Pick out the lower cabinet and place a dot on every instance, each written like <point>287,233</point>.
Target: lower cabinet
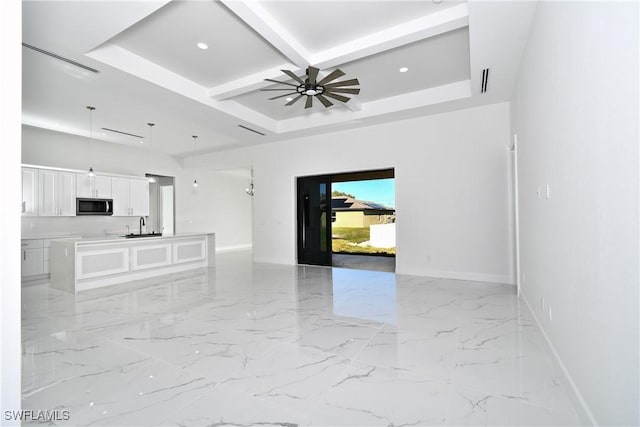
<point>32,262</point>
<point>35,257</point>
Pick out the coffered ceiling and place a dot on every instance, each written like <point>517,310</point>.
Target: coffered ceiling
<point>151,69</point>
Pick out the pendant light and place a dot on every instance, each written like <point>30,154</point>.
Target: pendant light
<point>90,173</point>
<point>250,190</point>
<point>152,179</point>
<point>195,140</point>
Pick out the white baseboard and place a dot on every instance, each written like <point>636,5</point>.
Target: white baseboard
<point>474,277</point>
<point>234,248</point>
<point>585,414</point>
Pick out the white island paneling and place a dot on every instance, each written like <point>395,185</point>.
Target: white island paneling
<point>81,264</point>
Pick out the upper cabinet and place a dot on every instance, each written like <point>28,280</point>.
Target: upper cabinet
<point>29,192</point>
<point>140,197</point>
<point>130,196</point>
<point>56,193</point>
<point>52,192</point>
<point>98,187</point>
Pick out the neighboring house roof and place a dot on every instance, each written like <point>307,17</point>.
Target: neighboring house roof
<point>344,203</point>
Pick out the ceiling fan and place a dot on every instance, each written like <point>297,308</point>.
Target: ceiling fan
<point>310,87</point>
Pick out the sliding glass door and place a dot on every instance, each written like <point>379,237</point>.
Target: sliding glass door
<point>314,220</point>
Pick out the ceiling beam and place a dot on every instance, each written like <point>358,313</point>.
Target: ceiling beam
<point>254,15</point>
<point>418,29</point>
<point>260,20</point>
<point>251,82</point>
<point>140,67</point>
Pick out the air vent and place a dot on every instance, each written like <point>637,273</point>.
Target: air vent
<point>251,130</point>
<point>60,58</point>
<point>123,133</point>
<point>485,80</point>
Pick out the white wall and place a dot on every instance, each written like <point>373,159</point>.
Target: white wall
<point>452,194</point>
<point>10,198</point>
<point>45,147</point>
<point>219,204</point>
<point>576,116</point>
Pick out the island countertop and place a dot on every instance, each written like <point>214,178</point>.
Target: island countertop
<point>118,239</point>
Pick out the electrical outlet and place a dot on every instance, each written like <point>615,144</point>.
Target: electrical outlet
<point>550,316</point>
<point>542,304</point>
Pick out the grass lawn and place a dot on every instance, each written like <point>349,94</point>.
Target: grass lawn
<point>346,240</point>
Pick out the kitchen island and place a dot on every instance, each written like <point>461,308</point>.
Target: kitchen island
<point>86,263</point>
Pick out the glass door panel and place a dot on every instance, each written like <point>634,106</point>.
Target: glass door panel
<point>314,220</point>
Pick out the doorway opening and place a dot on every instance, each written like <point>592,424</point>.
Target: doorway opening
<point>348,220</point>
<point>161,204</point>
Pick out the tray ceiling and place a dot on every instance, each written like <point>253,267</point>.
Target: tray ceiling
<point>152,71</point>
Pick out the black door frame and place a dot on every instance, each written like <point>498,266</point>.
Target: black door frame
<point>303,211</point>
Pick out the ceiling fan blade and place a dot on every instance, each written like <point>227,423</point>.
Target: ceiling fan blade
<point>338,97</point>
<point>309,102</point>
<point>341,90</point>
<point>293,100</point>
<point>351,82</point>
<point>284,88</point>
<point>282,83</point>
<point>324,101</point>
<point>282,96</point>
<point>332,76</point>
<point>293,76</point>
<point>313,74</point>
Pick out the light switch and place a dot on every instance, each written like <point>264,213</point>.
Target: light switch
<point>548,191</point>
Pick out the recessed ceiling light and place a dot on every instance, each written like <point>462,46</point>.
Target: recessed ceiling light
<point>289,99</point>
<point>403,69</point>
<point>141,142</point>
<point>202,45</point>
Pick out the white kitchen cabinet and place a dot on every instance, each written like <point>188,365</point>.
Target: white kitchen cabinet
<point>98,187</point>
<point>120,195</point>
<point>139,197</point>
<point>130,197</point>
<point>56,193</point>
<point>32,257</point>
<point>102,186</point>
<point>29,192</point>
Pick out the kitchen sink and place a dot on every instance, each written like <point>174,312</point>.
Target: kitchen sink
<point>132,236</point>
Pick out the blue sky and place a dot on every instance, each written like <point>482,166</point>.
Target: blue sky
<point>376,190</point>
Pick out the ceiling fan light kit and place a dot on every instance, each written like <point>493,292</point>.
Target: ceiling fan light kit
<point>311,87</point>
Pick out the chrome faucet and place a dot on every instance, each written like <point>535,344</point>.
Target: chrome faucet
<point>141,223</point>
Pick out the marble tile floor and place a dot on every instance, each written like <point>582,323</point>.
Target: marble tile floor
<point>248,344</point>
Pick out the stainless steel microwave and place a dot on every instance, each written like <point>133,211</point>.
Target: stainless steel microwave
<point>94,206</point>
